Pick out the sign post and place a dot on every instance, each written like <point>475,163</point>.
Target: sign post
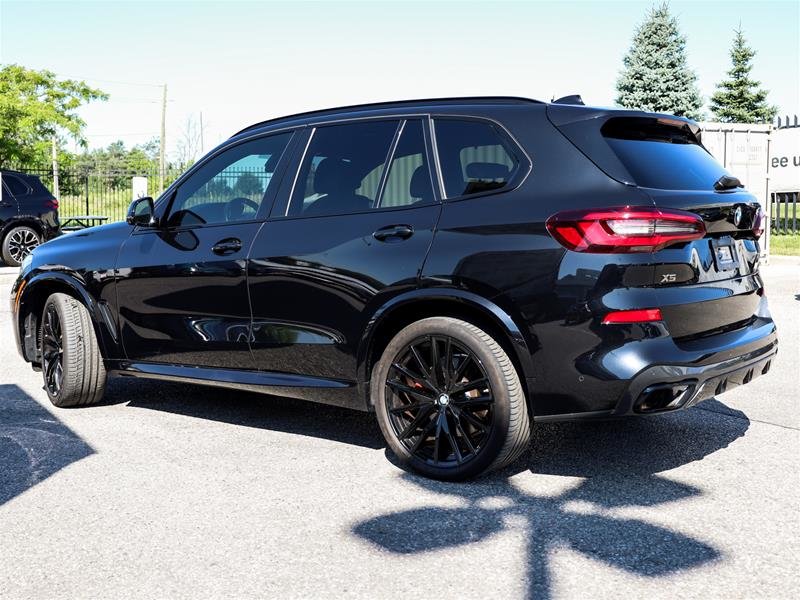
<point>139,185</point>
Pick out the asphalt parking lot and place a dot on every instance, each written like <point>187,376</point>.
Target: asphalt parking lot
<point>170,490</point>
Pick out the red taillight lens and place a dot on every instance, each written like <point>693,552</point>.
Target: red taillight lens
<point>758,223</point>
<point>625,229</point>
<point>51,204</point>
<point>643,315</point>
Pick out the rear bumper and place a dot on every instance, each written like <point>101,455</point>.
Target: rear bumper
<point>658,375</point>
<point>664,388</point>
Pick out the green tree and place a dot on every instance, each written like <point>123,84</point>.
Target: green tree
<point>116,158</point>
<point>249,185</point>
<point>34,107</point>
<point>656,76</point>
<point>115,163</point>
<point>740,99</point>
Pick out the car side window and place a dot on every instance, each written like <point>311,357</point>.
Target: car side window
<point>342,168</point>
<point>474,156</point>
<point>15,185</point>
<point>408,181</point>
<point>229,187</point>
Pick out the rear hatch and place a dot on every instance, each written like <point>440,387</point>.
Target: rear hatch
<point>705,286</point>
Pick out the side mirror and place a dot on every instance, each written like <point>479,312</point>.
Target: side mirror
<point>141,212</point>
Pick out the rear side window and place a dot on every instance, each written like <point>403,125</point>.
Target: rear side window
<point>15,185</point>
<point>343,168</point>
<point>474,157</point>
<point>662,153</point>
<point>408,181</point>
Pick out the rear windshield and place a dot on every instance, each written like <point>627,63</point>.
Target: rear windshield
<point>661,153</point>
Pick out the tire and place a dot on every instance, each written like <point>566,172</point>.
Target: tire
<point>18,243</point>
<point>72,365</point>
<point>485,424</point>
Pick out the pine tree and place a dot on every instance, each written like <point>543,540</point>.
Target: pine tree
<point>740,99</point>
<point>656,77</point>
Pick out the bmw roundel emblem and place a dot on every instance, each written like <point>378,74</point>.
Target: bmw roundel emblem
<point>737,216</point>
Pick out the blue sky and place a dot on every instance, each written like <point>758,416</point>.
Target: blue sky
<point>242,62</point>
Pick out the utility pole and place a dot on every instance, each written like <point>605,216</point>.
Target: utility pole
<point>162,141</point>
<point>202,147</point>
<point>55,169</point>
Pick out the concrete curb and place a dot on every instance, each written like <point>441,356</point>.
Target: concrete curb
<point>783,259</point>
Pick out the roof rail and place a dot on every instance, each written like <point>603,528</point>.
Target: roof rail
<point>398,103</point>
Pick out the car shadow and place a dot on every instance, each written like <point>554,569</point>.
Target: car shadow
<point>619,462</point>
<point>33,443</point>
<point>248,409</point>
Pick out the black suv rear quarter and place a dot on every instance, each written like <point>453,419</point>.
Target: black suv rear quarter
<point>28,215</point>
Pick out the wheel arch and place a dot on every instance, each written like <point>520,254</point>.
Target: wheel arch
<point>21,221</point>
<point>34,296</point>
<point>422,303</point>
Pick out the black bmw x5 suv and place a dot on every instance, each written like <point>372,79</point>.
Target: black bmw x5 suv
<point>461,267</point>
<point>28,215</point>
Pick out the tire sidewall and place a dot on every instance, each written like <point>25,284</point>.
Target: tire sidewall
<point>453,328</point>
<point>71,342</point>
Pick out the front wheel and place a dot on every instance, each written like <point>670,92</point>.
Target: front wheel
<point>72,366</point>
<point>449,400</point>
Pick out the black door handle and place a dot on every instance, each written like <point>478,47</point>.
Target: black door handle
<point>394,232</point>
<point>227,246</point>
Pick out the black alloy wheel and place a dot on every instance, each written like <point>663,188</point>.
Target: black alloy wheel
<point>440,401</point>
<point>52,351</point>
<point>449,401</point>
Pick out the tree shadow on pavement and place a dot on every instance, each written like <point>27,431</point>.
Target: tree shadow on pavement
<point>33,443</point>
<point>619,461</point>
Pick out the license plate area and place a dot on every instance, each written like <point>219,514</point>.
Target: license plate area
<point>725,257</point>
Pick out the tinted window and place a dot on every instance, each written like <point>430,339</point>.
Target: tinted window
<point>408,181</point>
<point>342,168</point>
<point>662,155</point>
<point>474,157</point>
<point>231,186</point>
<point>16,185</point>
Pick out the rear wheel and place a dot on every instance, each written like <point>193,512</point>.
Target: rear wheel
<point>18,243</point>
<point>72,365</point>
<point>449,400</point>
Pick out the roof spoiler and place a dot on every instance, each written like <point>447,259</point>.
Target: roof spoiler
<point>571,99</point>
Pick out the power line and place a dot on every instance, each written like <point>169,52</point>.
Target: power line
<point>153,133</point>
<point>114,98</point>
<point>109,81</point>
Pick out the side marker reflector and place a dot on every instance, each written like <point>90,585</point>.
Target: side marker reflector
<point>644,315</point>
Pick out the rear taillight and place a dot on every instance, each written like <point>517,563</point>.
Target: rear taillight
<point>51,204</point>
<point>641,315</point>
<point>625,229</point>
<point>758,223</point>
